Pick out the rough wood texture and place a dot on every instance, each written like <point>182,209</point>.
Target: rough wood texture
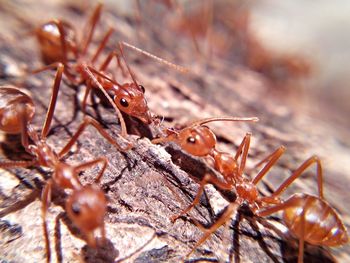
<point>148,184</point>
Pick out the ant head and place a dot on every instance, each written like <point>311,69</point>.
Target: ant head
<point>51,36</point>
<point>86,207</point>
<point>15,107</point>
<point>130,99</point>
<point>197,140</point>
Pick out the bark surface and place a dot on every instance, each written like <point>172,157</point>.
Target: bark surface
<point>150,183</point>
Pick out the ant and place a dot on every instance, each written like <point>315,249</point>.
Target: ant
<point>58,44</point>
<point>299,210</point>
<point>86,205</point>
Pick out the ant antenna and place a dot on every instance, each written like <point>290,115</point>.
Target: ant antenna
<point>207,120</point>
<point>127,65</point>
<point>161,60</point>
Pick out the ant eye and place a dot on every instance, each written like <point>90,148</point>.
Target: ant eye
<point>76,208</point>
<point>191,140</point>
<point>124,102</point>
<point>142,88</point>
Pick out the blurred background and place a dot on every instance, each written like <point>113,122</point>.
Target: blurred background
<point>316,30</point>
<point>298,45</point>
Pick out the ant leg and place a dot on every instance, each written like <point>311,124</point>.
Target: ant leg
<point>11,164</point>
<point>275,208</point>
<point>90,121</point>
<point>272,159</point>
<point>302,237</point>
<point>55,66</point>
<point>87,91</point>
<point>307,207</point>
<point>103,232</point>
<point>245,144</point>
<point>88,71</point>
<point>24,127</point>
<point>108,60</point>
<point>125,258</point>
<point>298,172</point>
<point>94,71</point>
<point>102,160</point>
<point>53,100</point>
<point>266,159</point>
<point>63,40</point>
<point>171,134</point>
<point>46,200</point>
<point>222,220</point>
<point>90,28</point>
<point>163,139</point>
<point>102,45</point>
<point>207,179</point>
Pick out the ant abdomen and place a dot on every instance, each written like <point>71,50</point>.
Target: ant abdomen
<point>64,176</point>
<point>86,207</point>
<point>54,38</point>
<point>322,224</point>
<point>247,191</point>
<point>16,107</point>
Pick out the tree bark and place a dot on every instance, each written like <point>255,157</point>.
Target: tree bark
<point>150,183</point>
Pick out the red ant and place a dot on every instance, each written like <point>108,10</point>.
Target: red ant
<point>57,40</point>
<point>86,205</point>
<point>300,210</point>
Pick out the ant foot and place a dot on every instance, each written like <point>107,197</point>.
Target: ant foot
<point>174,218</point>
<point>129,146</point>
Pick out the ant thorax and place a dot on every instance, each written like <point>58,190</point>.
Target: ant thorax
<point>45,155</point>
<point>247,191</point>
<point>65,176</point>
<point>226,164</point>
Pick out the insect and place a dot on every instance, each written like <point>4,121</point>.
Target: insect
<point>58,43</point>
<point>309,218</point>
<point>86,205</point>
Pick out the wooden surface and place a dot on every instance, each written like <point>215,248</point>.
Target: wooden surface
<point>149,183</point>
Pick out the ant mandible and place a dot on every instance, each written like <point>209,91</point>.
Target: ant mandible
<point>300,210</point>
<point>86,205</point>
<point>57,41</point>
